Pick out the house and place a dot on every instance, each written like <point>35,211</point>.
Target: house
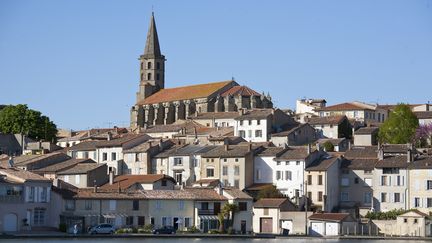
<point>331,224</point>
<point>331,126</point>
<point>339,144</point>
<point>40,148</point>
<point>203,135</point>
<point>25,200</point>
<point>84,150</point>
<point>359,111</point>
<point>231,164</point>
<point>424,117</point>
<point>295,135</point>
<point>35,162</point>
<point>51,171</point>
<point>420,184</point>
<point>216,119</point>
<point>356,185</point>
<point>139,182</point>
<point>366,136</point>
<point>85,175</point>
<point>110,152</point>
<point>12,144</point>
<point>411,223</point>
<point>170,130</point>
<point>267,215</point>
<point>306,108</point>
<point>257,125</point>
<point>322,177</point>
<point>137,160</point>
<point>95,134</point>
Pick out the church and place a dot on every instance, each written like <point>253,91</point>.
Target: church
<point>157,105</point>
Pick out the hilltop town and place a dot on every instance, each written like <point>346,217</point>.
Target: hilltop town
<point>219,157</point>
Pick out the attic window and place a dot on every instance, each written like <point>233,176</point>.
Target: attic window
<point>164,183</point>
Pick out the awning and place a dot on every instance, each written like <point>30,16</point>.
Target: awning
<point>208,217</point>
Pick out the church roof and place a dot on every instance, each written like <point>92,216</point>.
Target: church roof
<point>186,92</point>
<point>152,48</point>
<point>241,90</point>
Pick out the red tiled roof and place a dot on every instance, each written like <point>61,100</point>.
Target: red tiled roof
<point>344,107</point>
<point>269,202</point>
<point>127,181</point>
<point>332,120</point>
<point>186,92</point>
<point>241,90</point>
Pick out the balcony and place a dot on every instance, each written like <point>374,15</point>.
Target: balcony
<point>11,198</point>
<point>207,212</point>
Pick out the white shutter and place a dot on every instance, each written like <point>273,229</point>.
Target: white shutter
<point>402,198</point>
<point>27,193</point>
<point>77,179</point>
<point>37,194</point>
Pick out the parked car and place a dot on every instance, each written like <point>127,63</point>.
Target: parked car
<point>102,229</point>
<point>164,230</point>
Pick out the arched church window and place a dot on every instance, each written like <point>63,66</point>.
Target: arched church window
<point>158,65</point>
<point>148,76</point>
<point>148,65</point>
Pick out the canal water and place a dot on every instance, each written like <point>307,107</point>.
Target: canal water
<point>202,240</point>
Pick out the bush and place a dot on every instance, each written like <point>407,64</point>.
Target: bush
<point>124,231</point>
<point>193,229</point>
<point>328,146</point>
<point>389,215</point>
<point>213,232</point>
<point>230,231</point>
<point>134,230</point>
<point>62,227</point>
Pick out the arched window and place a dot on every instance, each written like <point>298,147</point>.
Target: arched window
<point>158,65</point>
<point>148,65</point>
<point>148,76</point>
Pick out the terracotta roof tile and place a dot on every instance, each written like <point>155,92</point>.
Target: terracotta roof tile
<point>366,130</point>
<point>81,168</point>
<point>270,202</point>
<point>331,120</point>
<point>393,162</point>
<point>347,106</point>
<point>126,181</point>
<point>362,152</point>
<point>20,175</point>
<point>63,165</point>
<point>241,90</point>
<point>297,153</point>
<point>359,164</point>
<point>186,92</point>
<point>322,164</point>
<point>236,193</point>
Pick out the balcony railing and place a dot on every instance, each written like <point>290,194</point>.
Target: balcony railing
<point>11,198</point>
<point>206,212</point>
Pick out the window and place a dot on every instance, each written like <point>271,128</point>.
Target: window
<point>266,211</point>
<point>278,162</point>
<point>258,133</point>
<point>345,182</point>
<point>250,122</point>
<point>399,182</point>
<point>179,178</point>
<point>164,183</point>
<point>416,202</point>
<point>70,205</point>
<point>157,65</point>
<point>405,220</point>
<point>113,156</point>
<point>178,161</point>
<point>415,221</point>
<point>309,195</point>
<point>225,170</point>
<point>429,185</point>
<point>44,197</point>
<point>165,221</point>
<point>429,202</point>
<point>104,156</point>
<point>242,206</point>
<point>39,216</point>
<point>152,221</point>
<point>204,206</point>
<point>112,205</point>
<point>309,180</point>
<point>344,196</point>
<point>297,162</point>
<point>224,160</point>
<point>236,170</point>
<point>278,175</point>
<point>237,184</point>
<point>195,162</point>
<point>320,180</point>
<point>210,172</point>
<point>136,157</point>
<point>129,220</point>
<point>158,205</point>
<point>287,162</point>
<point>367,198</point>
<point>288,175</point>
<point>225,182</point>
<point>181,205</point>
<point>242,133</point>
<point>356,180</point>
<point>149,65</point>
<point>320,196</point>
<point>383,197</point>
<point>66,178</point>
<point>88,205</point>
<point>258,122</point>
<point>236,160</point>
<point>157,76</point>
<point>258,174</point>
<point>148,76</point>
<point>141,220</point>
<point>135,205</point>
<point>249,133</point>
<point>86,155</point>
<point>397,197</point>
<point>384,181</point>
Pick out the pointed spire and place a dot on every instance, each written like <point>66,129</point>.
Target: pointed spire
<point>152,48</point>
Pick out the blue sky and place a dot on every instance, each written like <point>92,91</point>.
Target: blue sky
<point>76,61</point>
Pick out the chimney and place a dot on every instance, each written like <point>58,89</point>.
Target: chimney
<point>226,147</point>
<point>380,153</point>
<point>111,177</point>
<point>249,147</point>
<point>150,144</point>
<point>349,144</point>
<point>109,136</point>
<point>95,187</point>
<point>116,129</point>
<point>309,149</point>
<point>88,133</point>
<point>161,147</point>
<point>241,111</point>
<point>409,156</point>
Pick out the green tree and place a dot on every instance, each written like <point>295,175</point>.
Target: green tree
<point>400,127</point>
<point>269,191</point>
<point>328,146</point>
<point>230,209</point>
<point>21,119</point>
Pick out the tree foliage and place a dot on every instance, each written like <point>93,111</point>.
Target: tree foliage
<point>269,191</point>
<point>400,127</point>
<point>21,119</point>
<point>328,146</point>
<point>389,215</point>
<point>423,135</point>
